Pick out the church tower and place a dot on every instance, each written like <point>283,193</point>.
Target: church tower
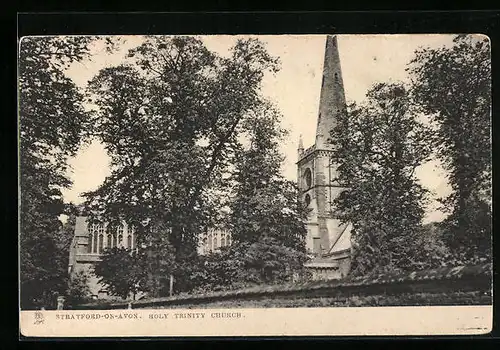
<point>327,240</point>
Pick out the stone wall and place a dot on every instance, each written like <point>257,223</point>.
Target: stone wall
<point>446,286</point>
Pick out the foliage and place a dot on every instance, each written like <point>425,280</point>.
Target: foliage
<point>159,259</point>
<point>123,271</point>
<point>171,124</point>
<point>266,220</point>
<point>216,271</point>
<point>452,85</point>
<point>52,123</point>
<point>433,251</point>
<point>145,268</point>
<point>78,290</point>
<point>378,147</point>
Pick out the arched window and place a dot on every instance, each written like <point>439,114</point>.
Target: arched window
<point>307,200</point>
<point>101,243</point>
<point>308,177</point>
<point>109,241</point>
<point>223,240</point>
<point>100,230</point>
<point>209,242</point>
<point>336,77</point>
<point>89,245</point>
<point>119,236</point>
<point>215,242</point>
<point>94,245</point>
<point>94,228</point>
<point>92,239</point>
<point>129,241</point>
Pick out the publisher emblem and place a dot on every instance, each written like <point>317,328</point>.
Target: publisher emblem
<point>39,318</point>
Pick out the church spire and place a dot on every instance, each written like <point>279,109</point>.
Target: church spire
<point>332,98</point>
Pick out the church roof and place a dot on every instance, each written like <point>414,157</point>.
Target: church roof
<point>343,242</point>
<point>340,249</point>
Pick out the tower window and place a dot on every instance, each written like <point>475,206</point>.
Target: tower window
<point>336,77</point>
<point>308,177</point>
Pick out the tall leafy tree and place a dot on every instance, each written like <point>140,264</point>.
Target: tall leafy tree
<point>377,146</point>
<point>171,124</point>
<point>267,221</point>
<point>52,122</point>
<point>78,290</point>
<point>452,85</point>
<point>123,271</point>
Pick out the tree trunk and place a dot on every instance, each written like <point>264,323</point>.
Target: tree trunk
<point>171,291</point>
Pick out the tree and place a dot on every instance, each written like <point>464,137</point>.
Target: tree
<point>377,146</point>
<point>216,271</point>
<point>170,124</point>
<point>267,220</point>
<point>123,271</point>
<point>78,289</point>
<point>452,85</point>
<point>52,124</point>
<point>433,251</point>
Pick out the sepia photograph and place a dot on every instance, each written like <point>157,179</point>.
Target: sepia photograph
<point>206,175</point>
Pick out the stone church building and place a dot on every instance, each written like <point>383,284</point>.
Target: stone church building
<point>90,241</point>
<point>328,240</point>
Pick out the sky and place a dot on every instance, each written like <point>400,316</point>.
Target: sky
<point>295,89</point>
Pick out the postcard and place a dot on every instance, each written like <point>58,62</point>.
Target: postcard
<point>255,185</point>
